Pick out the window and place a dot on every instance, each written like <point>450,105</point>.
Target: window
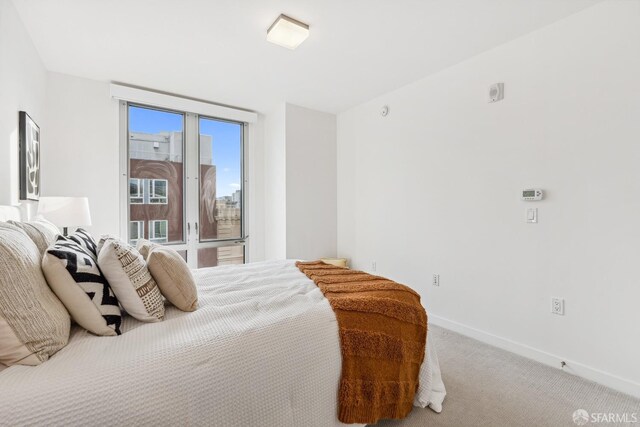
<point>136,231</point>
<point>158,231</point>
<point>136,191</point>
<point>221,182</point>
<point>158,191</point>
<point>204,217</point>
<point>155,150</point>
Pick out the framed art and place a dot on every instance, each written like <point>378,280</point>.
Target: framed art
<point>29,134</point>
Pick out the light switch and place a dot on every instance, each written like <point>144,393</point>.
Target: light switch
<point>532,215</point>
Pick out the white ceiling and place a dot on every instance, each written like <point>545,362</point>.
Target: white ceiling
<point>216,49</point>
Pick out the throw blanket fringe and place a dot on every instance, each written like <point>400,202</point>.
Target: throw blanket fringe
<point>383,331</point>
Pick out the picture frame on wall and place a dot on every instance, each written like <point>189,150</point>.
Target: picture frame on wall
<point>29,142</point>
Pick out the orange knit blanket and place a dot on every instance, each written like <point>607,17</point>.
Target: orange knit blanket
<point>383,331</point>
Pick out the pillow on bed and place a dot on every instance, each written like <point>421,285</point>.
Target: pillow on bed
<point>144,246</point>
<point>33,322</point>
<point>42,232</point>
<point>174,277</point>
<point>85,241</point>
<point>103,240</point>
<point>129,277</point>
<point>73,274</point>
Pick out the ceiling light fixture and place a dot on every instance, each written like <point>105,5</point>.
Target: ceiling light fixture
<point>287,32</point>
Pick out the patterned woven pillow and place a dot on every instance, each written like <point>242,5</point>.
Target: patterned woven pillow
<point>73,274</point>
<point>103,240</point>
<point>127,273</point>
<point>33,323</point>
<point>42,232</point>
<point>174,277</point>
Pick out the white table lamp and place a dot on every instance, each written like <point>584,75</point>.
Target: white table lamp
<point>65,211</point>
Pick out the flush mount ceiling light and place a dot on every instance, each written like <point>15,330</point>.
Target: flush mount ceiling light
<point>287,32</point>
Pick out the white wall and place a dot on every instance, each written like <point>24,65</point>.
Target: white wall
<point>311,183</point>
<point>81,156</point>
<point>275,184</point>
<point>300,182</point>
<point>22,88</point>
<point>346,190</point>
<point>256,191</point>
<point>433,188</point>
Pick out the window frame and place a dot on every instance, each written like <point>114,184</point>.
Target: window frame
<point>140,231</point>
<point>142,187</point>
<point>243,184</point>
<point>152,184</point>
<point>125,147</point>
<point>152,231</point>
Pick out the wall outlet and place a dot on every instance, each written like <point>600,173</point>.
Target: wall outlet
<point>374,265</point>
<point>436,280</point>
<point>557,306</point>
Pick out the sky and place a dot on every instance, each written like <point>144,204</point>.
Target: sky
<point>226,142</point>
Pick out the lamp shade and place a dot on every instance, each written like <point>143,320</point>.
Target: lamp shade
<point>65,211</point>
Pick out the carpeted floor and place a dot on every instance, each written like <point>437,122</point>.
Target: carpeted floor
<point>487,386</point>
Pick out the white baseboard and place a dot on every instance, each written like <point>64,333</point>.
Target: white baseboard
<point>612,381</point>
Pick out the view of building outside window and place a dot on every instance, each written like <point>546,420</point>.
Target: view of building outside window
<point>156,171</point>
<point>157,187</point>
<point>220,191</point>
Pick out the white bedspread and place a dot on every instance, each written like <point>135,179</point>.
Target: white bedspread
<point>261,350</point>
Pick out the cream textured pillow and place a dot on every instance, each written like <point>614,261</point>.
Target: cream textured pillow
<point>127,273</point>
<point>174,277</point>
<point>73,274</point>
<point>33,322</point>
<point>42,232</point>
<point>145,246</point>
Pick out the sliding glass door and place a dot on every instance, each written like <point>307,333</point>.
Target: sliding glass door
<point>185,183</point>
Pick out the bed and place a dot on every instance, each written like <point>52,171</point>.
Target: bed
<point>262,349</point>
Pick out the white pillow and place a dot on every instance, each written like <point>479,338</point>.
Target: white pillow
<point>33,322</point>
<point>73,274</point>
<point>129,277</point>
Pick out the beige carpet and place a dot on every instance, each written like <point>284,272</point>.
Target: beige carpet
<point>487,386</point>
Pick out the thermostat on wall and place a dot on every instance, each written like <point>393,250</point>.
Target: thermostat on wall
<point>532,194</point>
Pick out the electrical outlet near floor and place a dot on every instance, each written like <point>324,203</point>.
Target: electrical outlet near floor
<point>557,306</point>
<point>436,280</point>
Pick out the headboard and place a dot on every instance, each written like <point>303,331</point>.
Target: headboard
<point>16,213</point>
